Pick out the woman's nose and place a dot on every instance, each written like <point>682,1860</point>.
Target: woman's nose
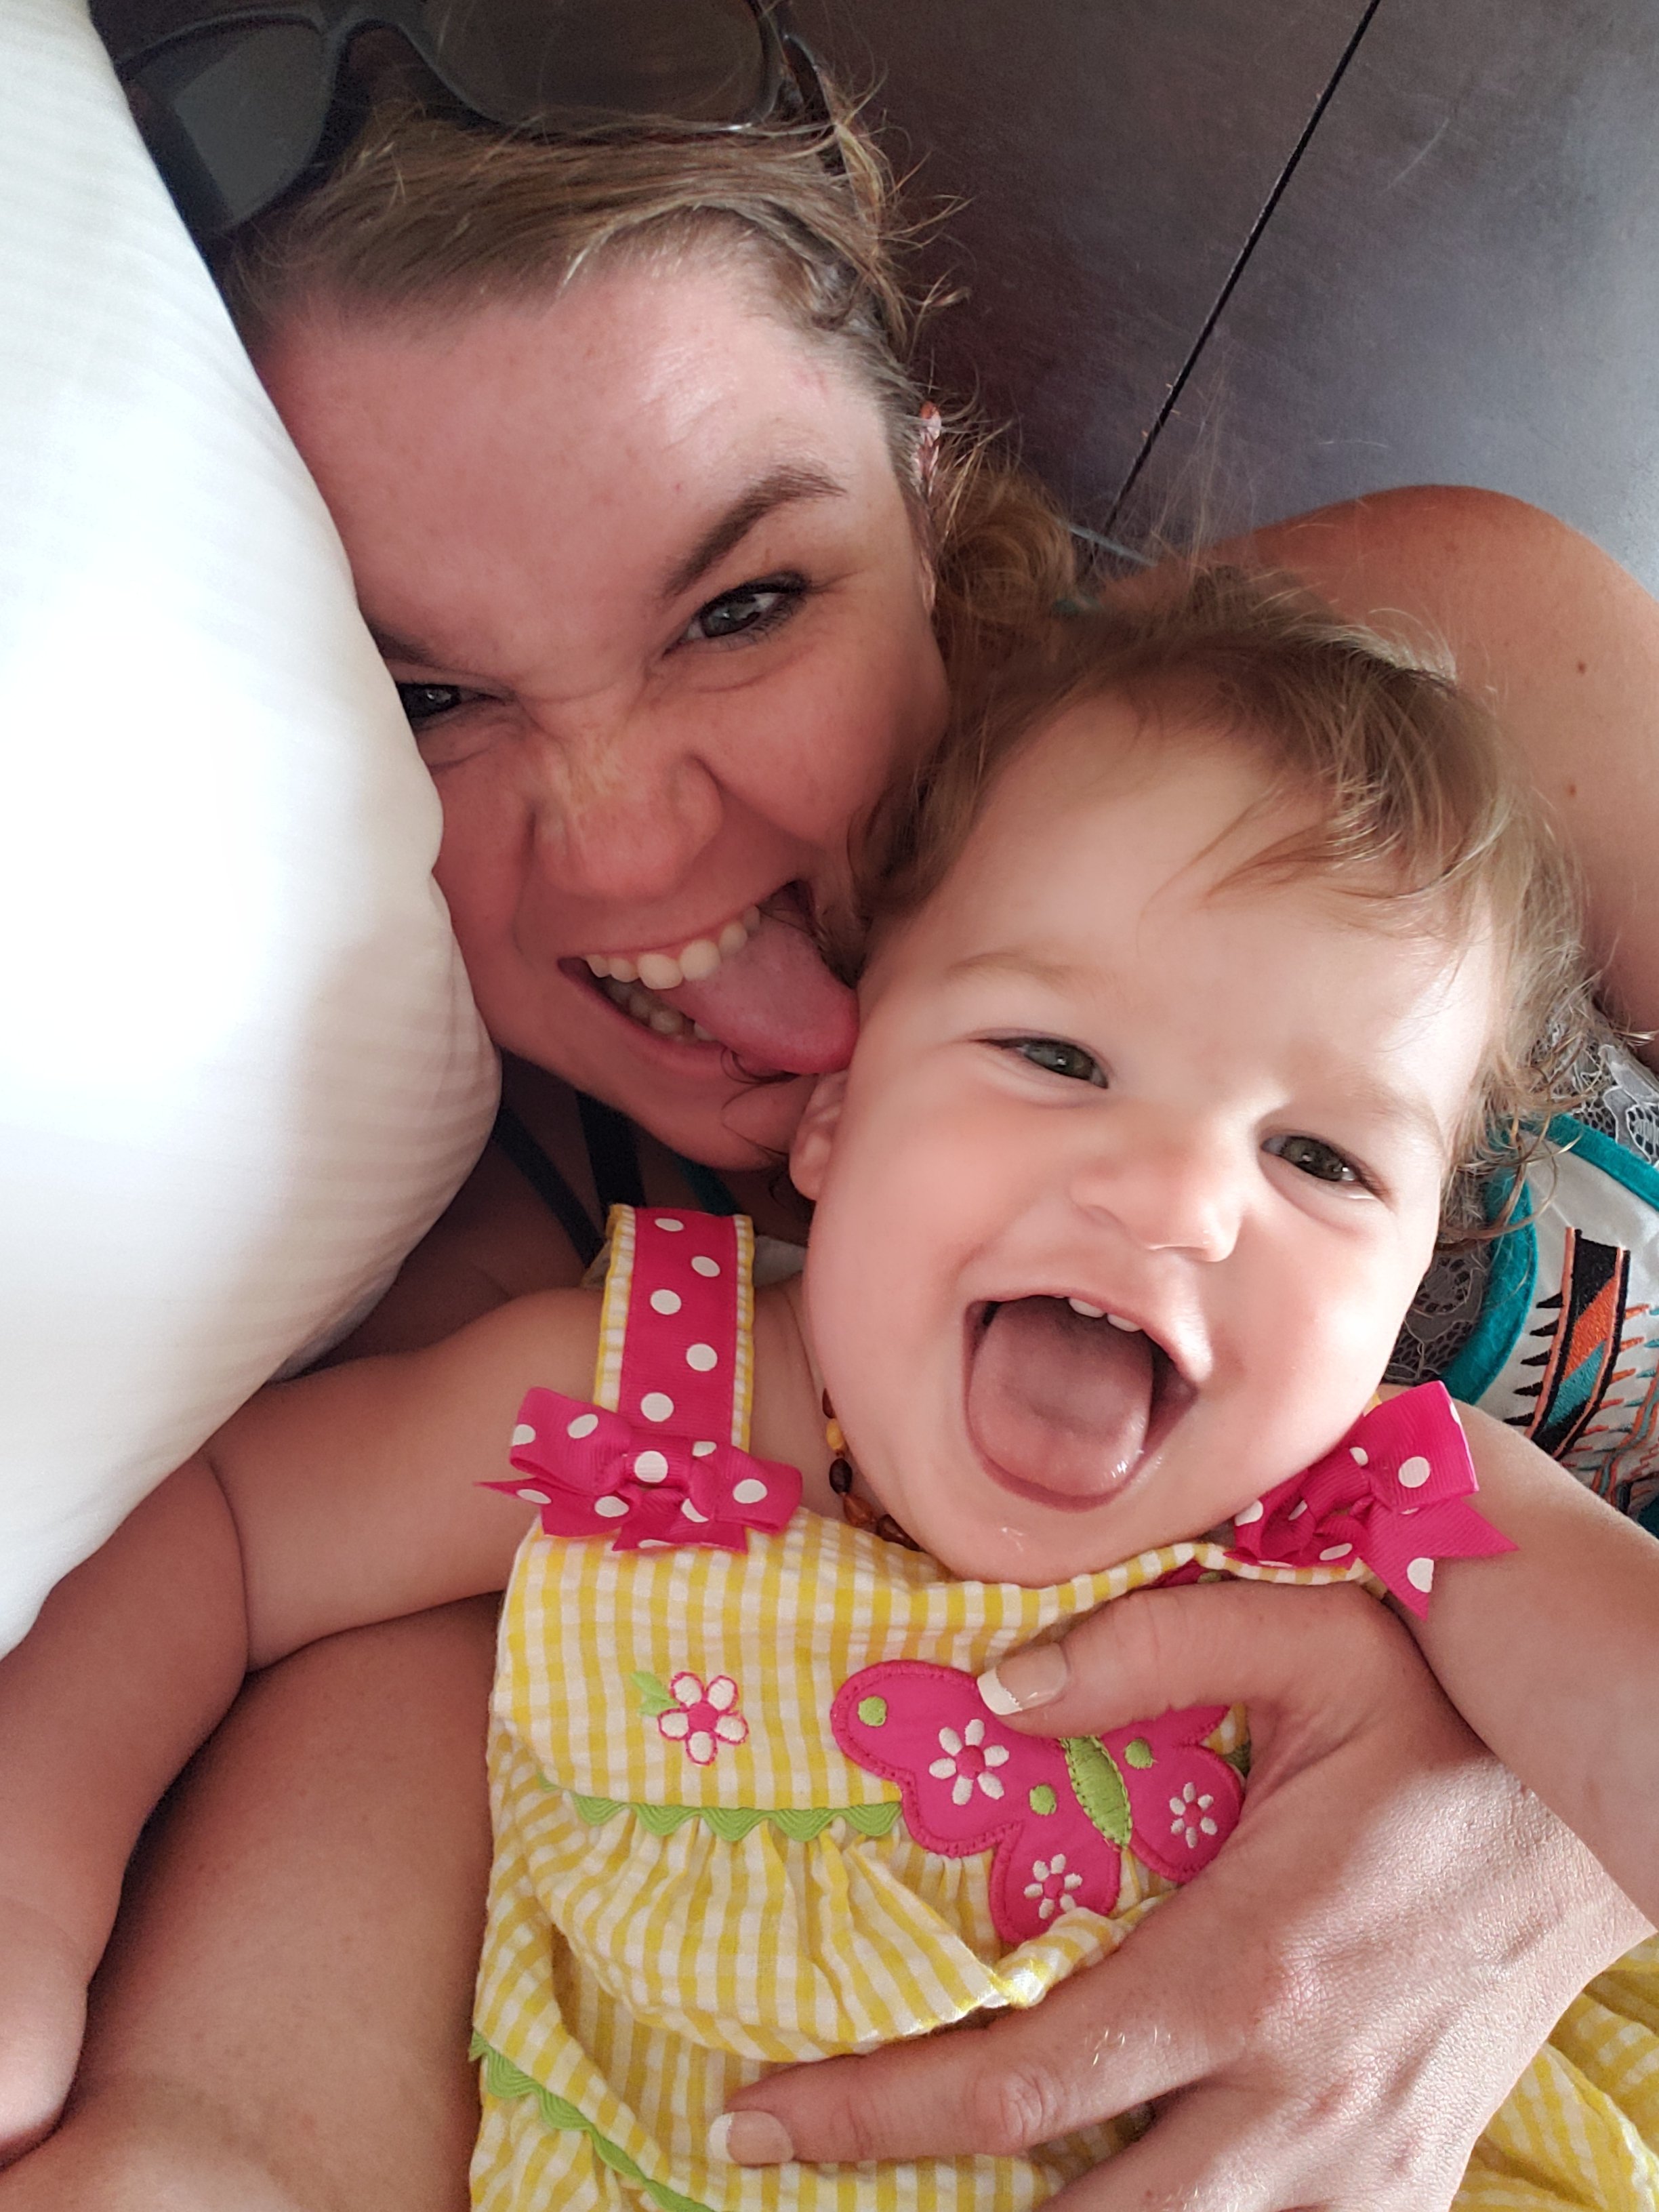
<point>622,807</point>
<point>1168,1186</point>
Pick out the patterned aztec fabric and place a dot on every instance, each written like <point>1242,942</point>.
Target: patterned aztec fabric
<point>1554,1327</point>
<point>748,1809</point>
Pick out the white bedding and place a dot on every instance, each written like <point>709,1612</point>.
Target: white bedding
<point>240,1068</point>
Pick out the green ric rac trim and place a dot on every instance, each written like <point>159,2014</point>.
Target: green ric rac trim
<point>732,1823</point>
<point>502,2079</point>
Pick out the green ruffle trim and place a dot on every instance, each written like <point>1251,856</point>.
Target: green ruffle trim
<point>502,2079</point>
<point>732,1823</point>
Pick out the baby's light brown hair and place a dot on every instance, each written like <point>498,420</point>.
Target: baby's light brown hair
<point>1405,797</point>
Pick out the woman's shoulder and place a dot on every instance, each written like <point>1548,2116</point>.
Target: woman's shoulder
<point>495,1243</point>
<point>1553,1327</point>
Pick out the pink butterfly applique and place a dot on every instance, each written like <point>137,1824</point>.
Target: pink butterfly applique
<point>1057,1814</point>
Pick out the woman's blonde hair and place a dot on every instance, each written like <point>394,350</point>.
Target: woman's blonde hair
<point>425,215</point>
<point>1401,791</point>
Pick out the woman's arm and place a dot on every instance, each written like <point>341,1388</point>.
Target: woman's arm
<point>1560,640</point>
<point>1332,2012</point>
<point>1550,1652</point>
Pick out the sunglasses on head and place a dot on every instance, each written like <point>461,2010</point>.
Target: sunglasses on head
<point>236,101</point>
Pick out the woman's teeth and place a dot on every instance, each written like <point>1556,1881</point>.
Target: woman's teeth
<point>654,1013</point>
<point>665,971</point>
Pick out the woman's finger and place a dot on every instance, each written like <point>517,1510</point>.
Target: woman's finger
<point>1198,2157</point>
<point>1324,1655</point>
<point>993,2091</point>
<point>1363,1970</point>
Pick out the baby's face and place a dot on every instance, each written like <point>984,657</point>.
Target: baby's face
<point>1133,1177</point>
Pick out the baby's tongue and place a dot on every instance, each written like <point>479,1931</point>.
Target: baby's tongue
<point>775,1004</point>
<point>1058,1401</point>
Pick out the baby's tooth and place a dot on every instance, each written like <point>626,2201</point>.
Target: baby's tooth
<point>751,918</point>
<point>733,937</point>
<point>1082,1306</point>
<point>660,971</point>
<point>699,959</point>
<point>1132,1328</point>
<point>665,1021</point>
<point>597,963</point>
<point>703,1035</point>
<point>642,1005</point>
<point>624,970</point>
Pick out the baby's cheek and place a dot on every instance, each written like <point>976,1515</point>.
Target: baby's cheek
<point>1321,1357</point>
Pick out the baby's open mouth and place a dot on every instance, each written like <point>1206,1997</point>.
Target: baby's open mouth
<point>1064,1402</point>
<point>759,987</point>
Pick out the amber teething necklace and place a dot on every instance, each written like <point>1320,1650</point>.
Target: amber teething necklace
<point>857,1512</point>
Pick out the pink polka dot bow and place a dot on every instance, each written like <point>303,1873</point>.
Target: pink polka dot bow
<point>598,1474</point>
<point>1394,1493</point>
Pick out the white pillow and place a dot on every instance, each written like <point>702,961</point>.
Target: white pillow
<point>240,1070</point>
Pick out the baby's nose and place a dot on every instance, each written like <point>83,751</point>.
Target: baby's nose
<point>1169,1187</point>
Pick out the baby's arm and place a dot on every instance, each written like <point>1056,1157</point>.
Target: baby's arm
<point>1550,1652</point>
<point>135,1657</point>
<point>339,1500</point>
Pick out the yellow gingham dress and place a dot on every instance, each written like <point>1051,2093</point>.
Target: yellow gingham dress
<point>662,1931</point>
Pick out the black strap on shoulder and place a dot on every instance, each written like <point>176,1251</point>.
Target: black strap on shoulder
<point>548,1183</point>
<point>611,1154</point>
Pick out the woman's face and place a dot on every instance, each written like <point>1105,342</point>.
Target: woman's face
<point>640,561</point>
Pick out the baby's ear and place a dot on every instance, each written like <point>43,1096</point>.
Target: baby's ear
<point>815,1137</point>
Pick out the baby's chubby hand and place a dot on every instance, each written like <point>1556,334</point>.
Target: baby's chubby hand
<point>43,2010</point>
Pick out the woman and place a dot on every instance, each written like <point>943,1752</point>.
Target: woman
<point>669,562</point>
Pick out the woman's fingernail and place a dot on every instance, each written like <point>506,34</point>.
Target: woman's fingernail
<point>750,2139</point>
<point>1035,1676</point>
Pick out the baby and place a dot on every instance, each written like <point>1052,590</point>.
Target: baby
<point>1203,956</point>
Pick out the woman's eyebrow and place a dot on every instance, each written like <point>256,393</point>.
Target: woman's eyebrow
<point>777,488</point>
<point>410,651</point>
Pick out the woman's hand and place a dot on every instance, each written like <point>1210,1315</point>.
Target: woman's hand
<point>1330,2016</point>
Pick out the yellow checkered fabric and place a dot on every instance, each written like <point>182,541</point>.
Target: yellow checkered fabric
<point>662,1930</point>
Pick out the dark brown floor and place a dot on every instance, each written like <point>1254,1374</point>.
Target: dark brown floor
<point>1240,257</point>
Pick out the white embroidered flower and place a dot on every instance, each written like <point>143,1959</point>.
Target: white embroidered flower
<point>704,1717</point>
<point>1192,1812</point>
<point>969,1758</point>
<point>1052,1883</point>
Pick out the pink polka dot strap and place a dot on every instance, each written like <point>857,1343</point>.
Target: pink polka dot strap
<point>659,1456</point>
<point>1394,1493</point>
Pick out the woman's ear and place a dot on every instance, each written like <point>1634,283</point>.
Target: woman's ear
<point>815,1137</point>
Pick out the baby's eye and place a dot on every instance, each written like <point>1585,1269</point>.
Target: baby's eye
<point>1314,1156</point>
<point>1058,1057</point>
<point>424,702</point>
<point>750,611</point>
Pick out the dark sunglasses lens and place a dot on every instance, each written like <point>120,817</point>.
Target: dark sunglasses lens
<point>697,61</point>
<point>232,118</point>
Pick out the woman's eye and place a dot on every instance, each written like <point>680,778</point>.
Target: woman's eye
<point>424,702</point>
<point>1059,1058</point>
<point>750,611</point>
<point>1312,1157</point>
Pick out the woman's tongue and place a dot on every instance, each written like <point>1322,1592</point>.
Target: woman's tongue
<point>1058,1401</point>
<point>775,1004</point>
